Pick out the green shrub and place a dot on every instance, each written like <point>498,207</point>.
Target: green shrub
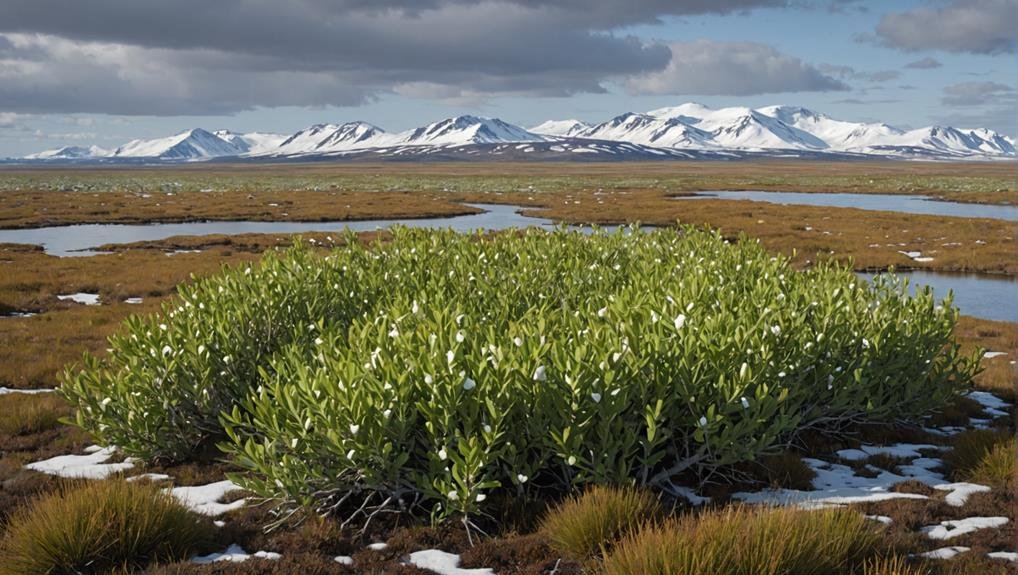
<point>587,525</point>
<point>438,367</point>
<point>761,541</point>
<point>100,527</point>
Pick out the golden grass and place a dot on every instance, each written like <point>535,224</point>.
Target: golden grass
<point>739,540</point>
<point>895,565</point>
<point>22,414</point>
<point>98,528</point>
<point>587,525</point>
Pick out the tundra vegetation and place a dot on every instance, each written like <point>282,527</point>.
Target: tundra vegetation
<point>435,370</point>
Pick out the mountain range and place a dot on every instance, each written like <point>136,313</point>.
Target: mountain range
<point>687,131</point>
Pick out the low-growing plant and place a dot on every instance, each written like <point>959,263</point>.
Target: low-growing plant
<point>98,528</point>
<point>437,367</point>
<point>738,540</point>
<point>589,524</point>
<point>998,467</point>
<point>24,413</point>
<point>893,565</point>
<point>971,448</point>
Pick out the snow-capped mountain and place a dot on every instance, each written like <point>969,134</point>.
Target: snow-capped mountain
<point>649,130</point>
<point>684,131</point>
<point>463,130</point>
<point>251,142</point>
<point>560,128</point>
<point>70,153</point>
<point>193,144</point>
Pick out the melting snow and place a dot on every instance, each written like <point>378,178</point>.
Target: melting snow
<point>81,297</point>
<point>960,492</point>
<point>993,354</point>
<point>957,527</point>
<point>133,300</point>
<point>944,552</point>
<point>204,499</point>
<point>881,519</point>
<point>6,390</point>
<point>90,466</point>
<point>344,560</point>
<point>378,546</point>
<point>443,563</point>
<point>235,554</point>
<point>905,450</point>
<point>1005,555</point>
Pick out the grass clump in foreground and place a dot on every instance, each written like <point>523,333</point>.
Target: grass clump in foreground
<point>437,368</point>
<point>25,413</point>
<point>98,528</point>
<point>587,525</point>
<point>740,540</point>
<point>984,456</point>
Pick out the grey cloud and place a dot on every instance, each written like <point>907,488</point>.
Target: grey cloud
<point>200,57</point>
<point>861,102</point>
<point>848,72</point>
<point>926,63</point>
<point>733,68</point>
<point>979,94</point>
<point>975,26</point>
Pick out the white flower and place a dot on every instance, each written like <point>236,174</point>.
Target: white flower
<point>452,495</point>
<point>350,454</point>
<point>865,343</point>
<point>487,428</point>
<point>319,341</point>
<point>387,413</point>
<point>428,379</point>
<point>107,401</point>
<point>540,374</point>
<point>460,336</point>
<point>596,397</point>
<point>571,460</point>
<point>518,341</point>
<point>450,356</point>
<point>442,454</point>
<point>776,329</point>
<point>744,370</point>
<point>415,308</point>
<point>654,317</point>
<point>781,374</point>
<point>167,350</point>
<point>201,349</point>
<point>602,312</point>
<point>459,319</point>
<point>522,478</point>
<point>354,429</point>
<point>162,326</point>
<point>680,320</point>
<point>293,443</point>
<point>745,403</point>
<point>481,497</point>
<point>394,332</point>
<point>703,422</point>
<point>469,384</point>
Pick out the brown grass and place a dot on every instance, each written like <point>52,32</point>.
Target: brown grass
<point>740,540</point>
<point>588,525</point>
<point>23,414</point>
<point>100,527</point>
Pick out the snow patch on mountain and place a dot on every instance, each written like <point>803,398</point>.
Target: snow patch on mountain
<point>565,128</point>
<point>463,130</point>
<point>195,144</point>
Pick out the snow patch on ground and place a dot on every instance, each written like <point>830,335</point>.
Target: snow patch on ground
<point>960,492</point>
<point>690,495</point>
<point>1005,555</point>
<point>944,552</point>
<point>81,297</point>
<point>344,560</point>
<point>378,546</point>
<point>204,499</point>
<point>881,519</point>
<point>90,466</point>
<point>443,563</point>
<point>153,477</point>
<point>992,406</point>
<point>957,527</point>
<point>993,354</point>
<point>837,484</point>
<point>905,450</point>
<point>235,554</point>
<point>6,390</point>
<point>133,300</point>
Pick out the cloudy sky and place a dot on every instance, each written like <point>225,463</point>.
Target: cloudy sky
<point>105,71</point>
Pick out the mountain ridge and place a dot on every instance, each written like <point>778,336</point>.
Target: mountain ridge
<point>691,128</point>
